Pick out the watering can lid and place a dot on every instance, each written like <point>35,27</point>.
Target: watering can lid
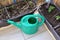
<point>24,20</point>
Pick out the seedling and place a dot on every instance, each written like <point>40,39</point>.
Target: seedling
<point>31,4</point>
<point>0,11</point>
<point>12,6</point>
<point>51,8</point>
<point>57,17</point>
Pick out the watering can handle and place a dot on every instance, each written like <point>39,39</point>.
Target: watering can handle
<point>42,19</point>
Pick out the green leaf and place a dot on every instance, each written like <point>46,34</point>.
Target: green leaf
<point>57,17</point>
<point>51,8</point>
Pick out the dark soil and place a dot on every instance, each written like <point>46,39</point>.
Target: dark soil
<point>50,16</point>
<point>16,9</point>
<point>12,11</point>
<point>3,14</point>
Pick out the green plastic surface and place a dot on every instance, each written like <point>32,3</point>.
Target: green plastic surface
<point>29,24</point>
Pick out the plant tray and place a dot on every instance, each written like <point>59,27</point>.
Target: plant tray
<point>15,11</point>
<point>52,23</point>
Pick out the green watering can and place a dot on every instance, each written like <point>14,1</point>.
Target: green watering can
<point>29,24</point>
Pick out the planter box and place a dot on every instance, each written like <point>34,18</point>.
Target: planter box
<point>51,21</point>
<point>16,11</point>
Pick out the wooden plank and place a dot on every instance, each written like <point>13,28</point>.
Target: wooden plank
<point>40,2</point>
<point>49,31</point>
<point>6,27</point>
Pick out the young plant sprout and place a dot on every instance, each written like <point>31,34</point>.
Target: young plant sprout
<point>10,8</point>
<point>1,11</point>
<point>57,17</point>
<point>31,4</point>
<point>51,8</point>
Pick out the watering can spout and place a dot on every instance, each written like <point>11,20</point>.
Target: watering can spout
<point>14,23</point>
